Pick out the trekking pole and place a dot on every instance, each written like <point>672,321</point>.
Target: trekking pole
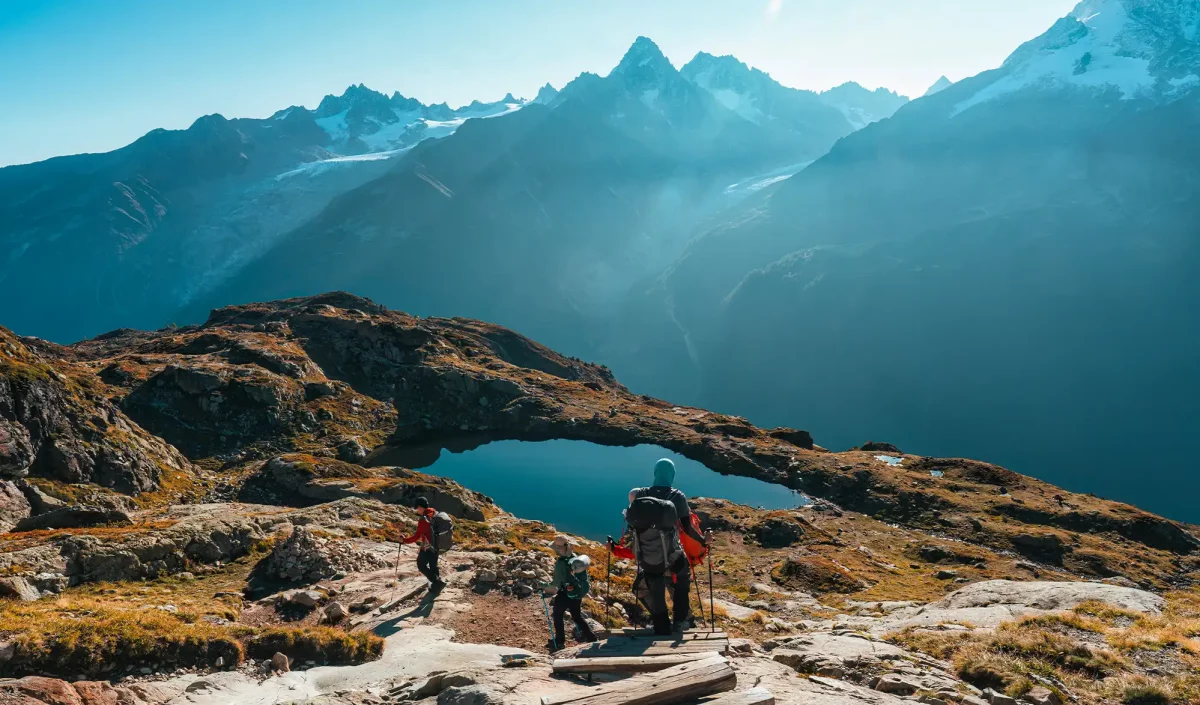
<point>608,585</point>
<point>699,595</point>
<point>549,624</point>
<point>713,626</point>
<point>396,580</point>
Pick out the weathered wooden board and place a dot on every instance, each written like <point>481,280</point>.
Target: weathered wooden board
<point>697,633</point>
<point>687,681</point>
<point>650,636</point>
<point>627,664</point>
<point>647,647</point>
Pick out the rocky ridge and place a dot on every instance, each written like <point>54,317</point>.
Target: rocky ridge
<point>312,412</point>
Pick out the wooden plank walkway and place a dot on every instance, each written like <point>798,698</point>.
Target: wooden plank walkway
<point>627,664</point>
<point>677,684</point>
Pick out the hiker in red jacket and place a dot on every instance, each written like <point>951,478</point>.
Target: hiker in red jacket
<point>427,557</point>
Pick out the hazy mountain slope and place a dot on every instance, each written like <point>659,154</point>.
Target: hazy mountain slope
<point>128,236</point>
<point>544,218</point>
<point>1001,269</point>
<point>862,107</point>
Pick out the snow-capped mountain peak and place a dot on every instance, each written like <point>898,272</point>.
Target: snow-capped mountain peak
<point>860,106</point>
<point>730,81</point>
<point>546,95</point>
<point>644,63</point>
<point>1138,49</point>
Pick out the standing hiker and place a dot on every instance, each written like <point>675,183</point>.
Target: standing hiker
<point>427,556</point>
<point>570,584</point>
<point>655,517</point>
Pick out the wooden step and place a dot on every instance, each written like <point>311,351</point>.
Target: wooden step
<point>646,631</point>
<point>630,647</point>
<point>627,664</point>
<point>649,634</point>
<point>754,696</point>
<point>677,684</point>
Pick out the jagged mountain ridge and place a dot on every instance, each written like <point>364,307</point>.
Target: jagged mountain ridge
<point>141,231</point>
<point>995,227</point>
<point>551,214</point>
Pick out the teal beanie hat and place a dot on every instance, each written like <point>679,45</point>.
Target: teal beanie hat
<point>664,473</point>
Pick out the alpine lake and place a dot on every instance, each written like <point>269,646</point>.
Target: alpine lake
<point>582,487</point>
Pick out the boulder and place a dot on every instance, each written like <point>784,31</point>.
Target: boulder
<point>14,506</point>
<point>896,685</point>
<point>16,449</point>
<point>74,517</point>
<point>336,612</point>
<point>39,501</point>
<point>352,451</point>
<point>306,598</point>
<point>36,690</point>
<point>469,695</point>
<point>19,588</point>
<point>814,574</point>
<point>98,693</point>
<point>1047,548</point>
<point>800,439</point>
<point>319,390</point>
<point>880,447</point>
<point>778,532</point>
<point>1049,596</point>
<point>998,698</point>
<point>1041,695</point>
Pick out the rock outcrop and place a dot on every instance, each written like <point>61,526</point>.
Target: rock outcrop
<point>305,480</point>
<point>55,422</point>
<point>305,557</point>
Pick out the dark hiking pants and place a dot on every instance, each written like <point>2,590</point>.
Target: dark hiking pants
<point>656,599</point>
<point>427,563</point>
<point>562,605</point>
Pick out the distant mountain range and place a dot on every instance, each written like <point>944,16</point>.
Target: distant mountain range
<point>146,234</point>
<point>1006,268</point>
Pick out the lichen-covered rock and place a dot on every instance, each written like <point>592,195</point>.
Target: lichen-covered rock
<point>14,506</point>
<point>305,480</point>
<point>55,424</point>
<point>74,517</point>
<point>778,531</point>
<point>209,409</point>
<point>19,588</point>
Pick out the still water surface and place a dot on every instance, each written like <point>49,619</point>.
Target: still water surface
<point>582,487</point>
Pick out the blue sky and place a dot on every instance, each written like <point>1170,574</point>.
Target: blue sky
<point>93,75</point>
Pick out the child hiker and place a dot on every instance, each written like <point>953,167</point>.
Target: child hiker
<point>569,585</point>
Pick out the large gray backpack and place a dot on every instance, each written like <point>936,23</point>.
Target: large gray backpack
<point>443,531</point>
<point>655,538</point>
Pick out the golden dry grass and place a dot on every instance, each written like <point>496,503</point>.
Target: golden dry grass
<point>1099,652</point>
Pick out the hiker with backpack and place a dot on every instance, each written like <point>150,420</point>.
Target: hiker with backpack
<point>656,517</point>
<point>435,534</point>
<point>569,585</point>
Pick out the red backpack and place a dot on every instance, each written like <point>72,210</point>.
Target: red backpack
<point>693,549</point>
